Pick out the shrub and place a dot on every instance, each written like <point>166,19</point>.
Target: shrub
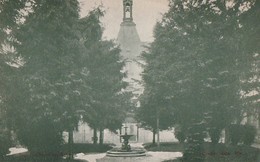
<point>249,134</point>
<point>42,138</point>
<point>242,134</point>
<point>214,134</point>
<point>236,133</point>
<point>180,134</point>
<point>5,142</point>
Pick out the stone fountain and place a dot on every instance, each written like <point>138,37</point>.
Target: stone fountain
<point>125,152</point>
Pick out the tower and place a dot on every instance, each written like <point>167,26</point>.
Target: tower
<point>131,47</point>
<point>128,37</point>
<point>128,10</point>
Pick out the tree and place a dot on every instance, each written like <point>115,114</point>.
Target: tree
<point>105,80</point>
<point>7,73</point>
<point>107,101</point>
<point>48,93</point>
<point>59,72</point>
<point>249,75</point>
<point>151,110</point>
<point>190,63</point>
<point>5,138</point>
<point>8,18</point>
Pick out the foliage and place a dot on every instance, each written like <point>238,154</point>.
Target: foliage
<point>5,139</point>
<point>243,134</point>
<point>62,68</point>
<point>194,64</point>
<point>250,75</point>
<point>236,133</point>
<point>107,103</point>
<point>213,152</point>
<point>43,102</point>
<point>180,133</point>
<point>214,134</point>
<point>8,16</point>
<point>150,110</point>
<point>105,80</point>
<point>249,135</point>
<point>5,142</point>
<point>166,147</point>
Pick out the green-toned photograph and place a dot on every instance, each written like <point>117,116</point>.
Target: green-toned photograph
<point>129,81</point>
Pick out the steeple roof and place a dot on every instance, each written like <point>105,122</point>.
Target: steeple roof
<point>129,40</point>
<point>131,47</point>
<point>128,37</point>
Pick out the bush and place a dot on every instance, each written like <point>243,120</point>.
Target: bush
<point>214,134</point>
<point>242,134</point>
<point>236,133</point>
<point>249,134</point>
<point>42,138</point>
<point>180,134</point>
<point>5,142</point>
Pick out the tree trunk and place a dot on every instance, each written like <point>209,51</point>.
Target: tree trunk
<point>258,118</point>
<point>120,138</point>
<point>137,137</point>
<point>154,132</point>
<point>227,137</point>
<point>95,137</point>
<point>101,136</point>
<point>158,130</point>
<point>70,143</point>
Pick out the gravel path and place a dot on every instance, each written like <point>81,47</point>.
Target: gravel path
<point>151,156</point>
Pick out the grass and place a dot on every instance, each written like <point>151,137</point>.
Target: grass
<point>166,146</point>
<point>26,157</point>
<point>213,153</point>
<point>56,157</point>
<point>87,148</point>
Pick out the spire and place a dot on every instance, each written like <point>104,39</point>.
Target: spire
<point>128,37</point>
<point>131,47</point>
<point>128,10</point>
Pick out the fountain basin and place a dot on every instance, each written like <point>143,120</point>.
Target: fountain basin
<point>124,153</point>
<point>134,152</point>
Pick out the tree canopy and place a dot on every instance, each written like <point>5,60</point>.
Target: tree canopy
<point>196,63</point>
<point>62,68</point>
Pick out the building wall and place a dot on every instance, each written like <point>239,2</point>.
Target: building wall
<point>85,134</point>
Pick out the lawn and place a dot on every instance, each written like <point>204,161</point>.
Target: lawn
<point>54,157</point>
<point>87,148</point>
<point>213,153</point>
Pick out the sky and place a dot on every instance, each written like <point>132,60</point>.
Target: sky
<point>145,14</point>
